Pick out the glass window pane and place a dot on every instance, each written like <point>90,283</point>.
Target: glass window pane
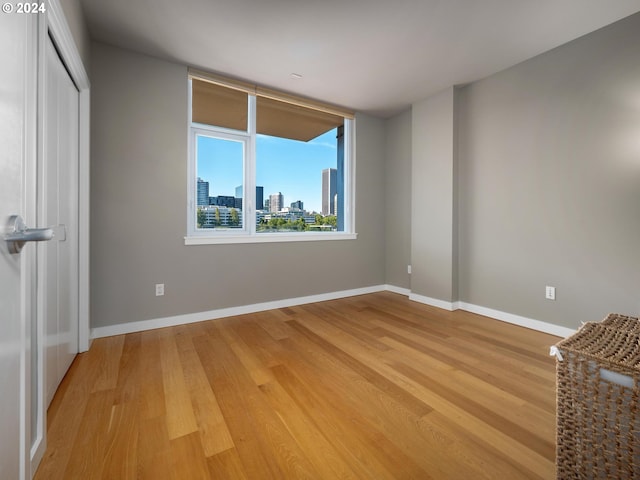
<point>220,172</point>
<point>293,175</point>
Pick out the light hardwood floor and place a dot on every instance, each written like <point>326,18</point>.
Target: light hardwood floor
<point>368,387</point>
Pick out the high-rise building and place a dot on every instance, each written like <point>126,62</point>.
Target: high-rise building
<point>276,202</point>
<point>259,197</point>
<point>203,193</point>
<point>299,204</point>
<point>329,190</point>
<point>239,199</point>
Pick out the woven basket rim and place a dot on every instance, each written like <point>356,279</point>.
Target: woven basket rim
<point>613,341</point>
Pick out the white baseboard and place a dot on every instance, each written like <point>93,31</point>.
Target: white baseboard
<point>487,312</point>
<point>131,327</point>
<point>402,291</point>
<point>434,302</point>
<point>518,320</point>
<point>151,324</point>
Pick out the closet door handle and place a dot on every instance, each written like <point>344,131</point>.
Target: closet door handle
<point>18,234</point>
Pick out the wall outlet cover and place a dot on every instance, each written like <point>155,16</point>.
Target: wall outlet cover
<point>550,293</point>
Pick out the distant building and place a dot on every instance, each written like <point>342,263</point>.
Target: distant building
<point>223,201</point>
<point>329,190</point>
<point>227,201</point>
<point>220,216</point>
<point>276,202</point>
<point>259,197</point>
<point>203,193</point>
<point>239,198</point>
<point>299,204</point>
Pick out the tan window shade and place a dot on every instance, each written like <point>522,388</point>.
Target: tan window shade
<point>217,105</point>
<point>222,101</point>
<point>303,102</point>
<point>285,120</point>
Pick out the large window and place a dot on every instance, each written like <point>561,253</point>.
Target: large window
<point>265,166</point>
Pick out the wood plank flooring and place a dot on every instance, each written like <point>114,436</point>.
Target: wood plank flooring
<point>369,387</point>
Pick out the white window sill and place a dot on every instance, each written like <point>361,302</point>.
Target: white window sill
<point>268,238</point>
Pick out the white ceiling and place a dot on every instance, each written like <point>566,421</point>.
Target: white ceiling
<point>375,56</point>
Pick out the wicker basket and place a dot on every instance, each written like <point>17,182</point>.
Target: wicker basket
<point>598,425</point>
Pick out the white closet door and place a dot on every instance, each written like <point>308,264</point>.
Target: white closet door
<point>60,181</point>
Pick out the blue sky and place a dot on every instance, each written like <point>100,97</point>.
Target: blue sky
<point>288,166</point>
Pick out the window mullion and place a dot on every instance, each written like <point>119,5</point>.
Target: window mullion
<point>250,171</point>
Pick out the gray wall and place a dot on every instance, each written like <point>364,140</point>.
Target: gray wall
<point>538,184</point>
<point>549,182</point>
<point>397,196</point>
<point>433,222</point>
<point>138,209</point>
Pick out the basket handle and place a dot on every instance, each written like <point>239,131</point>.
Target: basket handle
<point>617,378</point>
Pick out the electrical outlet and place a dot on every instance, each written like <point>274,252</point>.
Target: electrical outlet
<point>550,293</point>
<point>159,289</point>
<point>409,269</point>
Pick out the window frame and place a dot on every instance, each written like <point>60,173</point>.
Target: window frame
<point>230,135</point>
<point>248,233</point>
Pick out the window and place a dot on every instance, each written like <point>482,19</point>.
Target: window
<point>265,166</point>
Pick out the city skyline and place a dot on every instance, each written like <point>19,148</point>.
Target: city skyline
<point>291,167</point>
<point>206,200</point>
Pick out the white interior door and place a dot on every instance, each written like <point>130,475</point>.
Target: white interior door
<point>60,186</point>
<point>17,192</point>
<point>24,184</point>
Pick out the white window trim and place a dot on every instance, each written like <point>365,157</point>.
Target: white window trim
<point>248,233</point>
<point>243,138</point>
<point>268,238</point>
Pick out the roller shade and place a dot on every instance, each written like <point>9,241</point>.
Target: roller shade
<point>217,105</point>
<point>222,102</point>
<point>285,120</point>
